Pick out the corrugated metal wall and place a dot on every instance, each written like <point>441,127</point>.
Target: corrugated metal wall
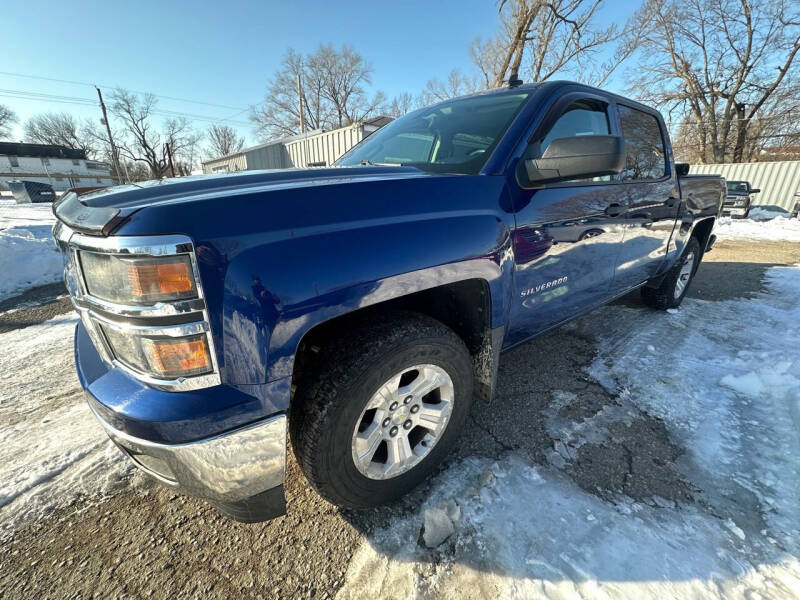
<point>324,148</point>
<point>273,156</point>
<point>778,181</point>
<point>226,164</point>
<point>317,149</point>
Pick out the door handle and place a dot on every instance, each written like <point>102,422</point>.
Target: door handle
<point>614,210</point>
<point>671,201</point>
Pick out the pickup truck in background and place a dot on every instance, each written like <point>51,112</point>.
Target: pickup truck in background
<point>739,199</point>
<point>361,308</point>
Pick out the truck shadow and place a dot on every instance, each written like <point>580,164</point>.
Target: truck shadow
<point>718,281</point>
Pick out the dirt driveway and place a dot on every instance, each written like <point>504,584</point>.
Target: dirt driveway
<point>146,541</point>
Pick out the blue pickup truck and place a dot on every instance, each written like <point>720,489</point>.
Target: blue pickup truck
<point>357,310</point>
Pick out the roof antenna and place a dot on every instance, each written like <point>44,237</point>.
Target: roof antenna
<point>514,80</point>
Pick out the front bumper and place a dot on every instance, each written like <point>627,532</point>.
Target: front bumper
<point>240,472</point>
<point>733,212</point>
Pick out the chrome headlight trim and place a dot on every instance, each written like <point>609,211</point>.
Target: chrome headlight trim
<point>96,311</point>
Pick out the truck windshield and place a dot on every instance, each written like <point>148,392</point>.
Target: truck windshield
<point>457,136</point>
<point>741,187</point>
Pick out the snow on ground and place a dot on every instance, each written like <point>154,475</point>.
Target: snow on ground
<point>724,377</point>
<point>777,229</point>
<point>52,451</point>
<point>28,255</point>
<point>765,213</point>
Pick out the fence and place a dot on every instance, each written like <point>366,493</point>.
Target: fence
<point>778,181</point>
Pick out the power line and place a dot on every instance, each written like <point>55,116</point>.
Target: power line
<point>53,79</point>
<point>56,98</point>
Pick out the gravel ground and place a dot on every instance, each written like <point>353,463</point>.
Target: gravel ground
<point>147,541</point>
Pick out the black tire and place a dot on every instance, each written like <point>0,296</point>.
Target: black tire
<point>664,296</point>
<point>590,233</point>
<point>328,404</point>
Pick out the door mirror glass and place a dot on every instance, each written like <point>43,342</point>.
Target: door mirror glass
<point>576,157</point>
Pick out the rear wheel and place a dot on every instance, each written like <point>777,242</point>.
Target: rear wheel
<point>675,284</point>
<point>384,407</point>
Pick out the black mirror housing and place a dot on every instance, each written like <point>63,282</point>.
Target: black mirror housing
<point>755,190</point>
<point>576,157</point>
<point>681,169</point>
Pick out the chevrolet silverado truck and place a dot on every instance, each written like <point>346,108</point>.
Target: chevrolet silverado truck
<point>355,311</point>
<point>738,200</point>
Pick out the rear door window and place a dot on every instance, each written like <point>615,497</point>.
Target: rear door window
<point>644,145</point>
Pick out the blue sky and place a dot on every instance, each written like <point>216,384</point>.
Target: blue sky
<point>224,53</point>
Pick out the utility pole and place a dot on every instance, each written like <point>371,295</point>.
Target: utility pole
<point>169,158</point>
<point>114,158</point>
<point>300,104</point>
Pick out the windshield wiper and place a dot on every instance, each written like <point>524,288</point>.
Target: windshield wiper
<point>369,163</point>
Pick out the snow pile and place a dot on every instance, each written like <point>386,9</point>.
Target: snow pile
<point>730,395</point>
<point>28,255</point>
<point>724,378</point>
<point>761,213</point>
<point>779,229</point>
<point>22,215</point>
<point>52,450</point>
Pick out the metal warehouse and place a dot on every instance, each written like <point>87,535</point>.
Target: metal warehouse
<point>311,149</point>
<point>779,181</point>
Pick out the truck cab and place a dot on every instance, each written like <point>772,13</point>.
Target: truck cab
<point>361,308</point>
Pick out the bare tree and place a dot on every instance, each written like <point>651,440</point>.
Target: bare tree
<point>223,140</point>
<point>60,129</point>
<point>557,36</point>
<point>279,114</point>
<point>456,84</point>
<point>717,64</point>
<point>7,118</point>
<point>344,73</point>
<point>143,141</point>
<point>333,85</point>
<point>401,105</point>
<point>773,135</point>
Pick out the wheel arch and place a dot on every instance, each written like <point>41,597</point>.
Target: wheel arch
<point>702,231</point>
<point>465,306</point>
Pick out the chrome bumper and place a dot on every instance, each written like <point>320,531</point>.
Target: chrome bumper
<point>241,472</point>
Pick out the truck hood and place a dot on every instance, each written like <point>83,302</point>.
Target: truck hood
<point>99,212</point>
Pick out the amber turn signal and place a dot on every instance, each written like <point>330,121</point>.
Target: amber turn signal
<point>187,356</point>
<point>160,279</point>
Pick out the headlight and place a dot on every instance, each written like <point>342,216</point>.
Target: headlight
<point>166,358</point>
<point>741,202</point>
<point>138,280</point>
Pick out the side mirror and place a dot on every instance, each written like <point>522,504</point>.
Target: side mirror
<point>576,157</point>
<point>755,190</point>
<point>682,169</point>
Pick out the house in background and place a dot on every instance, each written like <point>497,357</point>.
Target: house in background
<point>316,148</point>
<point>59,166</point>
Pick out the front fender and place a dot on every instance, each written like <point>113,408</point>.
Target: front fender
<point>275,293</point>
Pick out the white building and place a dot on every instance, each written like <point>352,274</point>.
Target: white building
<point>316,148</point>
<point>61,167</point>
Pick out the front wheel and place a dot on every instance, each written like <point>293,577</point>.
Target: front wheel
<point>384,407</point>
<point>675,284</point>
